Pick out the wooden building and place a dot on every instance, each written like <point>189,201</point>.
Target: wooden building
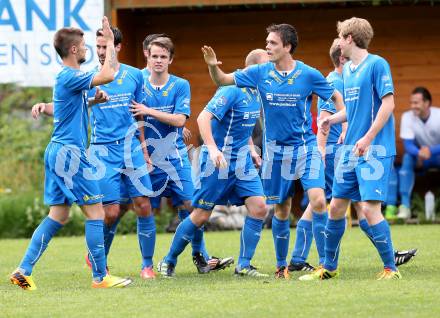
<point>407,34</point>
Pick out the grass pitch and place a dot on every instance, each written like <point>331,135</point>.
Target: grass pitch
<point>64,282</point>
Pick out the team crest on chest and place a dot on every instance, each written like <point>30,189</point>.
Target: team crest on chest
<point>292,79</point>
<point>121,79</point>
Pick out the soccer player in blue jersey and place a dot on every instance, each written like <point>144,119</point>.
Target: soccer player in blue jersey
<point>66,163</point>
<point>227,173</point>
<point>113,127</point>
<point>363,169</point>
<point>168,107</point>
<point>290,151</point>
<point>116,143</point>
<point>329,144</point>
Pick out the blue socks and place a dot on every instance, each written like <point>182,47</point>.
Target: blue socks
<point>95,245</point>
<point>319,223</point>
<point>334,231</point>
<point>406,179</point>
<point>392,188</point>
<point>249,238</point>
<point>109,234</point>
<point>363,224</point>
<point>146,229</point>
<point>39,241</point>
<point>184,234</point>
<point>198,243</point>
<point>384,245</point>
<point>183,214</point>
<point>281,236</point>
<point>304,238</point>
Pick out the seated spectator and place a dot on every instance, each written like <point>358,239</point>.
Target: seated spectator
<point>420,133</point>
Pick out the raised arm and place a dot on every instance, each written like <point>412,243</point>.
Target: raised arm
<point>108,70</point>
<point>219,77</point>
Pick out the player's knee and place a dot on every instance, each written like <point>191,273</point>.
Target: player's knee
<point>367,211</point>
<point>282,214</point>
<point>61,219</point>
<point>112,213</point>
<point>200,217</point>
<point>336,210</point>
<point>259,210</point>
<point>143,207</point>
<point>319,203</point>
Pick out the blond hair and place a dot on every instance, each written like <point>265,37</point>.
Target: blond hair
<point>255,57</point>
<point>359,29</point>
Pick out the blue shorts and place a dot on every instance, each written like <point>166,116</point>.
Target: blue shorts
<point>231,185</point>
<point>66,178</point>
<point>119,175</point>
<point>172,178</point>
<point>362,180</point>
<point>330,166</point>
<point>279,175</point>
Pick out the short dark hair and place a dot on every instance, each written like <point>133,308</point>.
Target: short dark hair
<point>117,34</point>
<point>425,93</point>
<point>65,38</point>
<point>151,37</point>
<point>335,53</point>
<point>287,34</point>
<point>164,43</point>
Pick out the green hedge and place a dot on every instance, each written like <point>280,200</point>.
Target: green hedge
<point>23,141</point>
<point>20,214</point>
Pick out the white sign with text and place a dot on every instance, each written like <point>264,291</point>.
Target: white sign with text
<point>27,27</point>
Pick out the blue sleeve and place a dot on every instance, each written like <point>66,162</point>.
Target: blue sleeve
<point>183,99</point>
<point>320,86</point>
<point>91,93</point>
<point>79,80</point>
<point>411,147</point>
<point>139,94</point>
<point>248,77</point>
<point>222,101</point>
<point>435,150</point>
<point>383,82</point>
<point>328,105</point>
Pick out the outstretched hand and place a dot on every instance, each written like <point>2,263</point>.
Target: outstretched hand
<point>209,56</point>
<point>107,33</point>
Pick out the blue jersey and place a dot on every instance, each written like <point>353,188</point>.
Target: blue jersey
<point>111,120</point>
<point>286,100</point>
<point>70,117</point>
<point>364,89</point>
<point>173,98</point>
<point>335,79</point>
<point>145,73</point>
<point>236,110</point>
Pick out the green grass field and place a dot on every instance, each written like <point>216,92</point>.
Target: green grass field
<point>64,282</point>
